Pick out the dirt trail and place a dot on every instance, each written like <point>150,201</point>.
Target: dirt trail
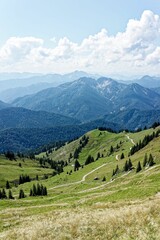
<point>82,180</point>
<point>117,157</point>
<point>103,185</point>
<point>130,139</point>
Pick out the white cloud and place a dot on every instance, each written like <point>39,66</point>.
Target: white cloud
<point>134,51</point>
<point>16,49</point>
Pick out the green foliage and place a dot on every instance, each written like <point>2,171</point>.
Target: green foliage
<point>145,161</point>
<point>10,196</point>
<point>83,142</point>
<point>144,142</point>
<point>122,156</point>
<point>111,149</point>
<point>21,194</point>
<point>150,160</point>
<point>128,165</point>
<point>89,160</point>
<point>139,168</point>
<point>24,178</point>
<point>104,179</point>
<point>116,171</point>
<point>77,165</point>
<point>3,194</point>
<point>38,190</point>
<point>10,155</point>
<point>7,185</point>
<point>98,156</point>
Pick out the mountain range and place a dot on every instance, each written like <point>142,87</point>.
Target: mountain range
<point>88,99</point>
<point>22,84</point>
<point>40,110</point>
<point>25,84</point>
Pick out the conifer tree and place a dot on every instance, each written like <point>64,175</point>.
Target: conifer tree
<point>116,170</point>
<point>139,168</point>
<point>76,165</point>
<point>122,156</point>
<point>4,194</point>
<point>104,179</point>
<point>31,193</point>
<point>7,185</point>
<point>130,164</point>
<point>10,196</point>
<point>0,194</point>
<point>145,160</point>
<point>111,150</point>
<point>150,160</point>
<point>21,194</point>
<point>126,167</point>
<point>98,156</point>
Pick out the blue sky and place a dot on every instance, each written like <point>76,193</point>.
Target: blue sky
<point>75,19</point>
<point>57,28</point>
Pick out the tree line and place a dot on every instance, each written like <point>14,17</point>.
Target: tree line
<point>148,138</point>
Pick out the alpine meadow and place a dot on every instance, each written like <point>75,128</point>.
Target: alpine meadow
<point>80,120</point>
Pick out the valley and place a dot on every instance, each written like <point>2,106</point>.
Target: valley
<point>91,196</point>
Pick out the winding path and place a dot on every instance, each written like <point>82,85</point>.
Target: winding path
<point>105,184</point>
<point>117,157</point>
<point>130,139</point>
<point>82,180</point>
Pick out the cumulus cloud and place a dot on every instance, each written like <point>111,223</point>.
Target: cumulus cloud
<point>134,51</point>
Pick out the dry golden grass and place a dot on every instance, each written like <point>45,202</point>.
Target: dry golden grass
<point>133,220</point>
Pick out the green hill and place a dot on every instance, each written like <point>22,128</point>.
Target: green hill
<point>89,203</point>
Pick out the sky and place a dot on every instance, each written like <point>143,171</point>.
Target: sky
<point>115,38</point>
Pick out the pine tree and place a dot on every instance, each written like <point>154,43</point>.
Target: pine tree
<point>31,193</point>
<point>10,196</point>
<point>122,156</point>
<point>104,179</point>
<point>139,168</point>
<point>44,193</point>
<point>34,190</point>
<point>117,147</point>
<point>145,160</point>
<point>98,156</point>
<point>4,194</point>
<point>130,165</point>
<point>116,170</point>
<point>39,189</point>
<point>89,160</point>
<point>7,185</point>
<point>111,150</point>
<point>151,161</point>
<point>76,165</point>
<point>0,194</point>
<point>21,194</point>
<point>126,166</point>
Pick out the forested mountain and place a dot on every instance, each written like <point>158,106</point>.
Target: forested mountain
<point>27,139</point>
<point>24,118</point>
<point>88,99</point>
<point>134,118</point>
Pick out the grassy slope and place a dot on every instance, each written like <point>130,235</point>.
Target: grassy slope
<point>131,200</point>
<point>10,170</point>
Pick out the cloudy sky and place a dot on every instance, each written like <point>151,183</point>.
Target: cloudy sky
<point>115,38</point>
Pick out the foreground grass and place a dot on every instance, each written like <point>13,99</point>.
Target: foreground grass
<point>124,220</point>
